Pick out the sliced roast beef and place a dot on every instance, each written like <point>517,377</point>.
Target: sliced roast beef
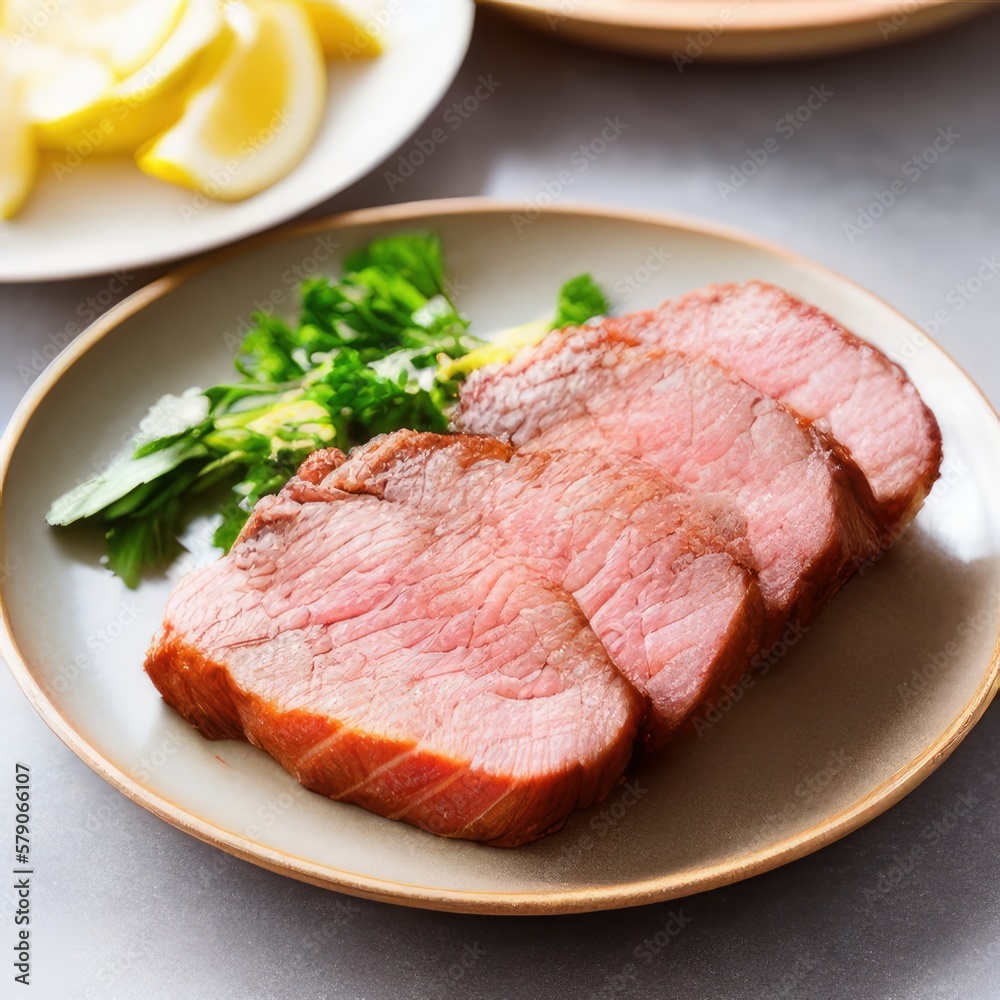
<point>811,518</point>
<point>660,572</point>
<point>806,360</point>
<point>437,628</point>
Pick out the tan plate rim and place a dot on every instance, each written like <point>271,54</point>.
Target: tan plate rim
<point>768,15</point>
<point>572,901</point>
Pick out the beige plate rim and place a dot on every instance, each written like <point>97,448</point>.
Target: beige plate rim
<point>580,900</point>
<point>768,15</point>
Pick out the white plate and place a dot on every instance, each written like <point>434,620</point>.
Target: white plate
<point>752,30</point>
<point>106,215</point>
<point>876,693</point>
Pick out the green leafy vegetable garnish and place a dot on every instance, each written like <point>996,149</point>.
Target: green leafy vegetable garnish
<point>580,299</point>
<point>379,349</point>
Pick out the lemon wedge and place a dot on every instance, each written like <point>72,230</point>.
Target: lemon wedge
<point>125,113</point>
<point>138,32</point>
<point>346,31</point>
<point>18,155</point>
<point>58,84</point>
<point>122,34</point>
<point>257,115</point>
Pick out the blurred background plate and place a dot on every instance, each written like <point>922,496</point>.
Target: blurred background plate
<point>106,215</point>
<point>848,715</point>
<point>687,30</point>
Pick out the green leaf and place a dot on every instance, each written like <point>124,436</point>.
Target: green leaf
<point>266,352</point>
<point>163,441</point>
<point>137,544</point>
<point>233,519</point>
<point>579,299</point>
<point>116,482</point>
<point>416,257</point>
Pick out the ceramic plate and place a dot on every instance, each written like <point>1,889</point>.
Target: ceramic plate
<point>96,214</point>
<point>844,719</point>
<point>687,30</point>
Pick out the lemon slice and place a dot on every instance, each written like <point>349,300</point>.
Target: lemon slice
<point>258,114</point>
<point>124,114</point>
<point>18,156</point>
<point>138,32</point>
<point>123,34</point>
<point>345,30</point>
<point>57,84</point>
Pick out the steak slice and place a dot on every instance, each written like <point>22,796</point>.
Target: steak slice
<point>811,519</point>
<point>407,670</point>
<point>409,630</point>
<point>806,360</point>
<point>661,573</point>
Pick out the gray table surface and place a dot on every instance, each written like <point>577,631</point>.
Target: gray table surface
<point>126,906</point>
